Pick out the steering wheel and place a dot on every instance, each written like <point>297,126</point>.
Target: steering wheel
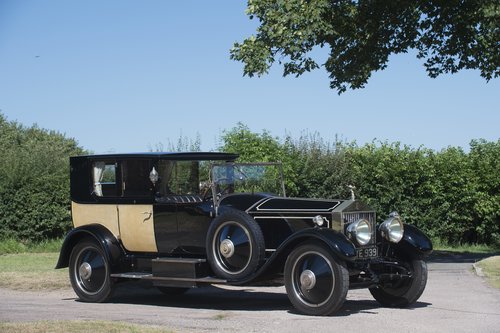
<point>229,182</point>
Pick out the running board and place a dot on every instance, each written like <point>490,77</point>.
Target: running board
<point>132,275</point>
<point>175,272</point>
<point>149,276</point>
<point>179,260</point>
<point>206,279</point>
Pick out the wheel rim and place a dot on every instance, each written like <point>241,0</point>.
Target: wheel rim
<point>232,247</point>
<point>90,270</point>
<point>313,280</point>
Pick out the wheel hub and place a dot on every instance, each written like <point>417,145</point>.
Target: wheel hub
<point>85,271</point>
<point>226,248</point>
<point>307,279</point>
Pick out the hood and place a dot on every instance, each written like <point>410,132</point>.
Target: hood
<point>261,203</point>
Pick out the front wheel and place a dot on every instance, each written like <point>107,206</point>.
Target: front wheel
<point>316,283</point>
<point>89,272</point>
<point>405,291</point>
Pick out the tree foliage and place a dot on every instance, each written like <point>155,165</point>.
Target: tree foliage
<point>34,181</point>
<point>452,195</point>
<point>361,35</point>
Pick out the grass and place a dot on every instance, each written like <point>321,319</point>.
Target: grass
<point>491,268</point>
<point>78,327</point>
<point>463,248</point>
<point>32,271</point>
<point>10,245</point>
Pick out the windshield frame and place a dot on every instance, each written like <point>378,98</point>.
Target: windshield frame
<point>218,197</point>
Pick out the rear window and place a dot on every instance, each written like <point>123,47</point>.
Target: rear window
<point>104,178</point>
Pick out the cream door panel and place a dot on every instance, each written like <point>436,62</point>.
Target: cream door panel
<point>106,215</point>
<point>137,227</point>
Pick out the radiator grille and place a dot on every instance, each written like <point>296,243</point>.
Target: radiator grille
<point>351,217</point>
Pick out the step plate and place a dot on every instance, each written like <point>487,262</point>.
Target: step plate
<point>179,260</point>
<point>175,280</point>
<point>132,275</point>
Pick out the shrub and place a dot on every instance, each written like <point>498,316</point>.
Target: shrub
<point>450,194</point>
<point>34,182</point>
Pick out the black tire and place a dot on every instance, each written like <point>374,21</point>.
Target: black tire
<point>235,245</point>
<point>172,291</point>
<point>316,283</point>
<point>89,272</point>
<point>405,292</point>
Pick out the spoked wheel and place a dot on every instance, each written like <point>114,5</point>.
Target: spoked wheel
<point>235,245</point>
<point>315,282</point>
<point>89,272</point>
<point>406,291</point>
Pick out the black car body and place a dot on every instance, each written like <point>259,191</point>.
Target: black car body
<point>184,220</point>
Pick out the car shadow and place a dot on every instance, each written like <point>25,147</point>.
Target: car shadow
<point>210,297</point>
<point>216,298</point>
<point>352,307</point>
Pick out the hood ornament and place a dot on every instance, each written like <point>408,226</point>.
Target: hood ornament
<point>352,188</point>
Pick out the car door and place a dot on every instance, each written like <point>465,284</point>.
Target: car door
<point>137,227</point>
<point>135,207</point>
<point>181,214</point>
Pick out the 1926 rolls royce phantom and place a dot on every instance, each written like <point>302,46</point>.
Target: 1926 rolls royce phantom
<point>184,220</point>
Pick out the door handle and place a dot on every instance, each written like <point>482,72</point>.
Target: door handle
<point>147,216</point>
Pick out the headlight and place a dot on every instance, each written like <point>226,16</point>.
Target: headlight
<point>392,229</point>
<point>361,231</point>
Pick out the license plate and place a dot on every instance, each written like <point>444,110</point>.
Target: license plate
<point>367,252</point>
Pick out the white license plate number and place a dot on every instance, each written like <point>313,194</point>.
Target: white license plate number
<point>367,252</point>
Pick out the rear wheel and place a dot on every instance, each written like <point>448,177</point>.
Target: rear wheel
<point>89,272</point>
<point>406,291</point>
<point>315,282</point>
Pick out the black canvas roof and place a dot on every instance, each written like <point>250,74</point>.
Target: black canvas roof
<point>168,155</point>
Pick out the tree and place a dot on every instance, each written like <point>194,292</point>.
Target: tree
<point>450,35</point>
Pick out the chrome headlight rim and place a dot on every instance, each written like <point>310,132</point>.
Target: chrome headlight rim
<point>392,229</point>
<point>360,231</point>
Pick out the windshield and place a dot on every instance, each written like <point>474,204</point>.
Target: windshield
<point>248,178</point>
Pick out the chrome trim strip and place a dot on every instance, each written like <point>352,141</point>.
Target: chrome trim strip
<point>292,217</point>
<point>260,202</point>
<point>336,204</point>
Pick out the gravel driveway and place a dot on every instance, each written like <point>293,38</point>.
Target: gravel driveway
<point>456,300</point>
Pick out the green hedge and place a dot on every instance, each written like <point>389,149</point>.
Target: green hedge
<point>451,194</point>
<point>34,182</point>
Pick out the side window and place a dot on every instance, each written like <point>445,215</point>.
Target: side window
<point>104,177</point>
<point>166,173</point>
<point>179,177</point>
<point>135,178</point>
<point>187,178</point>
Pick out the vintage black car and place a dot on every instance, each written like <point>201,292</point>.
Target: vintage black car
<point>184,220</point>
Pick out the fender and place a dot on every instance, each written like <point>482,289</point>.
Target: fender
<point>103,236</point>
<point>337,242</point>
<point>414,245</point>
<point>341,247</point>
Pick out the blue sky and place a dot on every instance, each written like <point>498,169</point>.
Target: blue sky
<point>123,76</point>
